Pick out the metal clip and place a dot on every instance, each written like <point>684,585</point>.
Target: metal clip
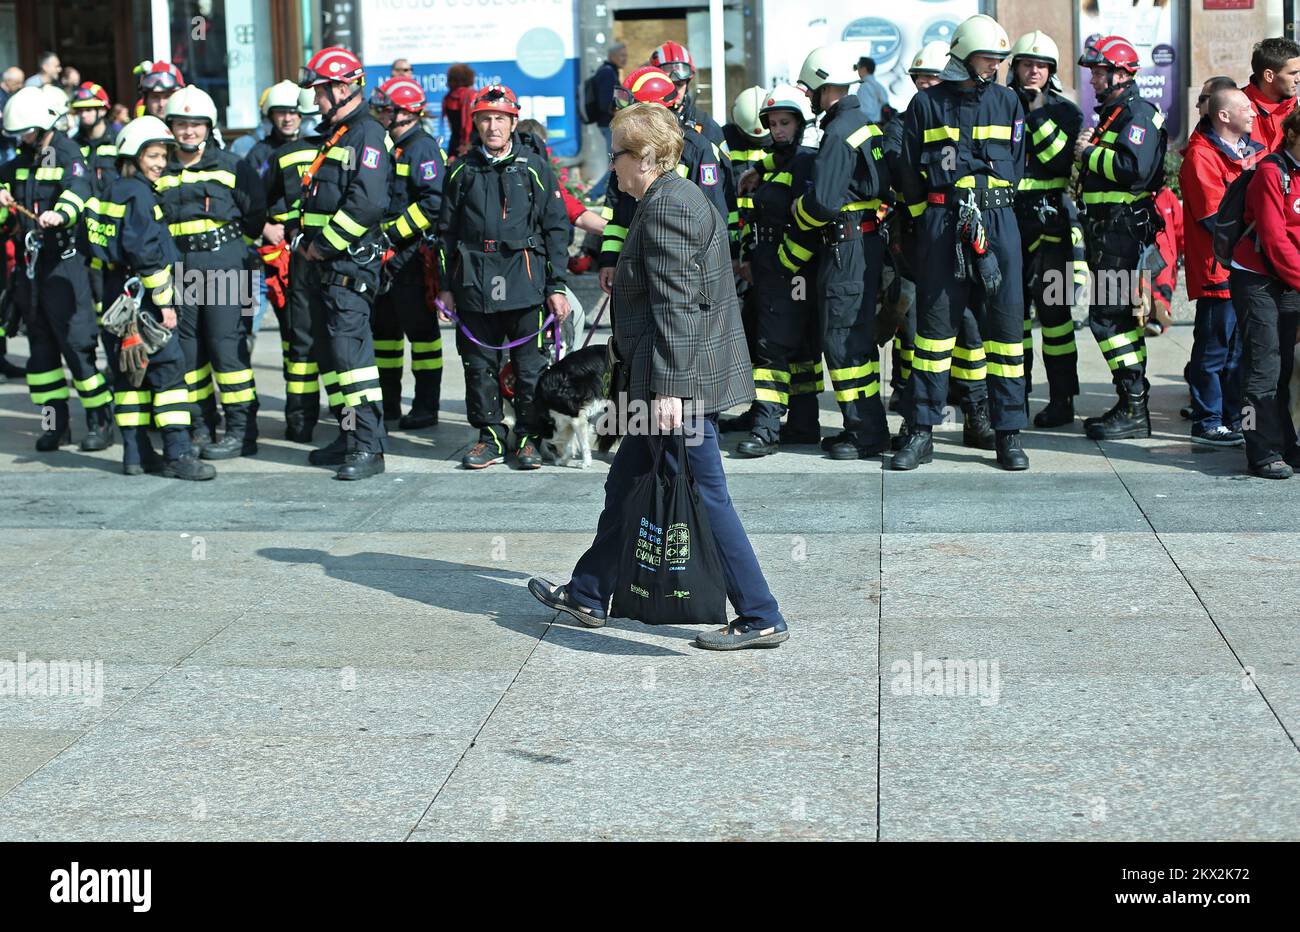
<point>1046,211</point>
<point>32,247</point>
<point>134,284</point>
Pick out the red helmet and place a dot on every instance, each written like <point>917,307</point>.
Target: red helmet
<point>159,76</point>
<point>89,96</point>
<point>402,93</point>
<point>675,60</point>
<point>332,64</point>
<point>1113,52</point>
<point>648,85</point>
<point>495,98</point>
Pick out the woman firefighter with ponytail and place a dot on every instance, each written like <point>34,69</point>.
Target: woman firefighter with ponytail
<point>129,240</point>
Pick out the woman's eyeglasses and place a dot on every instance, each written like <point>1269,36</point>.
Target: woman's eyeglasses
<point>613,156</point>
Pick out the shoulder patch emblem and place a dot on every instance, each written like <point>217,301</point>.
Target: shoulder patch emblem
<point>1295,205</point>
<point>370,157</point>
<point>78,169</point>
<point>1018,131</point>
<point>709,173</point>
<point>1136,134</point>
<point>428,170</point>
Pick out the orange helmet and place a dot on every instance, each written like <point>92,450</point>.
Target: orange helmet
<point>495,98</point>
<point>89,97</point>
<point>648,85</point>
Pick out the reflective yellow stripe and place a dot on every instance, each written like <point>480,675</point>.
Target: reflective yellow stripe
<point>915,210</point>
<point>154,279</point>
<point>796,250</point>
<point>1007,372</point>
<point>1113,197</point>
<point>1044,184</point>
<point>417,215</point>
<point>771,375</point>
<point>1038,135</point>
<point>969,355</point>
<point>45,378</point>
<point>301,157</point>
<point>990,132</point>
<point>784,178</point>
<point>803,218</point>
<point>186,176</point>
<point>1001,349</point>
<point>234,398</point>
<point>140,398</point>
<point>785,259</point>
<point>1119,339</point>
<point>1051,152</point>
<point>333,238</point>
<point>172,418</point>
<point>49,174</point>
<point>767,394</point>
<point>340,154</point>
<point>174,396</point>
<point>315,220</point>
<point>133,418</point>
<point>191,227</point>
<point>968,182</point>
<point>300,368</point>
<point>1108,164</point>
<point>854,372</point>
<point>935,346</point>
<point>348,224</point>
<point>862,134</point>
<point>358,375</point>
<point>861,205</point>
<point>938,133</point>
<point>107,208</point>
<point>302,388</point>
<point>1062,349</point>
<point>234,378</point>
<point>402,170</point>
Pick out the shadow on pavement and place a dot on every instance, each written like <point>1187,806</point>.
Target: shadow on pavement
<point>488,589</point>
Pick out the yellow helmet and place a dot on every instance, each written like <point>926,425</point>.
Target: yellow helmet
<point>744,112</point>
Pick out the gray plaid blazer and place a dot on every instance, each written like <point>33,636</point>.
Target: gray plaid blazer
<point>677,322</point>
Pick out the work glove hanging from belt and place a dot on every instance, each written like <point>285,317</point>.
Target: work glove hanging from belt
<point>971,233</point>
<point>141,334</point>
<point>897,294</point>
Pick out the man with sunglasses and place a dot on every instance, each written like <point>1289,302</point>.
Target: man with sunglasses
<point>345,192</point>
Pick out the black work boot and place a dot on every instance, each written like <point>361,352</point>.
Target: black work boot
<point>841,437</point>
<point>801,421</point>
<point>361,464</point>
<point>298,429</point>
<point>1058,413</point>
<point>918,449</point>
<point>417,419</point>
<point>977,429</point>
<point>334,453</point>
<point>60,434</point>
<point>240,438</point>
<point>99,429</point>
<point>1090,422</point>
<point>7,369</point>
<point>1010,454</point>
<point>188,466</point>
<point>755,446</point>
<point>843,447</point>
<point>1128,420</point>
<point>900,439</point>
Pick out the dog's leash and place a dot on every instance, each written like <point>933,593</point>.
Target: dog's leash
<point>469,334</point>
<point>600,313</point>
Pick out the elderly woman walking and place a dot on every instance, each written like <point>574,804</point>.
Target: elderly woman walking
<point>678,334</point>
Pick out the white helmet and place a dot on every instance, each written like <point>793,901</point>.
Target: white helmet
<point>28,109</point>
<point>307,102</point>
<point>1037,45</point>
<point>281,96</point>
<point>827,65</point>
<point>931,59</point>
<point>140,132</point>
<point>785,97</point>
<point>57,97</point>
<point>191,103</point>
<point>979,35</point>
<point>744,112</point>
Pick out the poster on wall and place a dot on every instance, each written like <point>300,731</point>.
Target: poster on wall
<point>1152,26</point>
<point>892,35</point>
<point>528,45</point>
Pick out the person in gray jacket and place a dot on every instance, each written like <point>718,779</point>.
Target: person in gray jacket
<point>678,335</point>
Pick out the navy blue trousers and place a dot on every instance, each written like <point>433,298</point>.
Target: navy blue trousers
<point>1212,375</point>
<point>593,579</point>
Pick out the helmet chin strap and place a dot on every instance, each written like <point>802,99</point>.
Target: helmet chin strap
<point>327,116</point>
<point>194,146</point>
<point>402,125</point>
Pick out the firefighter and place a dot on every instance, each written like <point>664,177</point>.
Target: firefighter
<point>674,59</point>
<point>962,157</point>
<point>49,180</point>
<point>968,387</point>
<point>746,138</point>
<point>1051,237</point>
<point>345,192</point>
<point>127,234</point>
<point>700,163</point>
<point>280,108</point>
<point>158,80</point>
<point>414,202</point>
<point>1121,166</point>
<point>838,214</point>
<point>215,207</point>
<point>775,252</point>
<point>502,214</point>
<point>90,103</point>
<point>302,375</point>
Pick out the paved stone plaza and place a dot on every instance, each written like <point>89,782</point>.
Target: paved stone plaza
<point>285,656</point>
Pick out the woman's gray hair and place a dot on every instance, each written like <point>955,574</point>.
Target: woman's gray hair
<point>651,131</point>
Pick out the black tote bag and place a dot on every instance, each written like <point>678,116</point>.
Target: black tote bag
<point>669,571</point>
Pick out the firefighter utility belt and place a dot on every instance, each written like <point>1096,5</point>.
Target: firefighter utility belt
<point>842,230</point>
<point>984,198</point>
<point>350,282</point>
<point>58,242</point>
<point>768,233</point>
<point>512,245</point>
<point>208,241</point>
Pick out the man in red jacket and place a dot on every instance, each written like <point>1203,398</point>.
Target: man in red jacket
<point>1275,72</point>
<point>1264,280</point>
<point>1219,149</point>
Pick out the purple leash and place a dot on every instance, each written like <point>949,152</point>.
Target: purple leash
<point>600,314</point>
<point>469,335</point>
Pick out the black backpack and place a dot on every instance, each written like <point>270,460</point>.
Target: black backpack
<point>1230,221</point>
<point>590,106</point>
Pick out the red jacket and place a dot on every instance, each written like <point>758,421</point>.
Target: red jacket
<point>1268,116</point>
<point>1277,224</point>
<point>1209,166</point>
<point>1170,243</point>
<point>456,107</point>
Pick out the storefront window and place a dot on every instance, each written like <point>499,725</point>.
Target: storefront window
<point>224,46</point>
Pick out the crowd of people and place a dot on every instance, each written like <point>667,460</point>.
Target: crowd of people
<point>133,235</point>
